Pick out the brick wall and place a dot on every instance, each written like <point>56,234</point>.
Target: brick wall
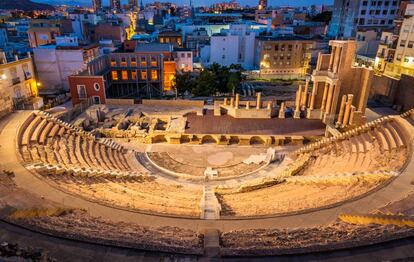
<point>89,83</point>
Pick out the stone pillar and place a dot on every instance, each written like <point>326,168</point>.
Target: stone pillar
<point>282,110</point>
<point>296,113</point>
<point>269,105</point>
<point>331,58</point>
<point>237,101</point>
<point>347,110</point>
<point>341,111</point>
<point>247,105</point>
<point>329,99</point>
<point>304,101</point>
<point>351,117</point>
<point>325,94</point>
<point>314,92</point>
<point>336,61</point>
<point>258,100</point>
<point>231,101</point>
<point>225,101</point>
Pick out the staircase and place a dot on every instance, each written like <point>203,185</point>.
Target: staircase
<point>209,205</point>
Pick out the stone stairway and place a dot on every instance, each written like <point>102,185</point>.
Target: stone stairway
<point>209,204</point>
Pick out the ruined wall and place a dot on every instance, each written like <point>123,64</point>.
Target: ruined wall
<point>405,93</point>
<point>154,102</point>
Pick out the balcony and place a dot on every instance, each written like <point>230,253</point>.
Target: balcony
<point>15,80</point>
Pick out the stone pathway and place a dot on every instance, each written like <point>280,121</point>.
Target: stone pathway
<point>210,205</point>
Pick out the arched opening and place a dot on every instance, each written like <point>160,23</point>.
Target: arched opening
<point>208,140</point>
<point>257,140</point>
<point>159,139</point>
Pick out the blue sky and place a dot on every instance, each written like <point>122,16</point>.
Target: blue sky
<point>206,2</point>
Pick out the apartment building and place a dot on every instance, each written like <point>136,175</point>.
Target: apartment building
<point>146,71</point>
<point>284,57</point>
<point>18,86</point>
<point>350,16</point>
<point>45,31</point>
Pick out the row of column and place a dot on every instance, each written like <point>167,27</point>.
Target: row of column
<point>236,102</point>
<point>301,99</point>
<point>327,99</point>
<point>334,59</point>
<point>346,111</point>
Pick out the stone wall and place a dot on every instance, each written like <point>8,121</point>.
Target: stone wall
<point>154,102</point>
<point>119,101</point>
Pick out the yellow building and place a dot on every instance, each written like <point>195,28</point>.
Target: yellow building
<point>18,87</point>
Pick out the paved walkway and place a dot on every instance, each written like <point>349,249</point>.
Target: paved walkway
<point>397,189</point>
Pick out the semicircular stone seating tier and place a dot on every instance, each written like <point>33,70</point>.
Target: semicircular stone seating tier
<point>326,172</point>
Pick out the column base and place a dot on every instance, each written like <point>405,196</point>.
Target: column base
<point>296,114</point>
<point>313,114</point>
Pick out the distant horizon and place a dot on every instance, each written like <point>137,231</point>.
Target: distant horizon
<point>294,3</point>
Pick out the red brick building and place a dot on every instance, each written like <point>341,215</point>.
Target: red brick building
<point>84,87</point>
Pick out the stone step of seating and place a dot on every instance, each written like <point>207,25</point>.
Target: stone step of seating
<point>397,134</point>
<point>388,137</point>
<point>30,129</point>
<point>38,130</point>
<point>44,134</point>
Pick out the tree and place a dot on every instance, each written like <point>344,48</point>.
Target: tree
<point>183,82</point>
<point>206,84</point>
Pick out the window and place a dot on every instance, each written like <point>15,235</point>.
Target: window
<point>363,12</point>
<point>96,100</point>
<point>133,75</point>
<point>402,43</point>
<point>398,57</point>
<point>114,75</point>
<point>365,3</point>
<point>123,61</point>
<point>144,75</point>
<point>143,61</point>
<point>133,61</point>
<point>188,55</point>
<point>154,61</point>
<point>97,87</point>
<point>124,75</point>
<point>384,12</point>
<point>410,44</point>
<point>182,55</point>
<point>154,75</point>
<point>113,62</point>
<point>82,91</point>
<point>276,47</point>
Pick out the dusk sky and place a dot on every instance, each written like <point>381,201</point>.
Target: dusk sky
<point>205,2</point>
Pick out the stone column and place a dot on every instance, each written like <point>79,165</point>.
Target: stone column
<point>347,110</point>
<point>247,105</point>
<point>296,113</point>
<point>331,58</point>
<point>258,100</point>
<point>237,101</point>
<point>351,117</point>
<point>282,110</point>
<point>304,101</point>
<point>325,94</point>
<point>329,100</point>
<point>269,105</point>
<point>225,101</point>
<point>231,101</point>
<point>341,111</point>
<point>314,92</point>
<point>336,59</point>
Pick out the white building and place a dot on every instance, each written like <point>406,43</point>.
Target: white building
<point>234,46</point>
<point>80,22</point>
<point>54,63</point>
<point>184,59</point>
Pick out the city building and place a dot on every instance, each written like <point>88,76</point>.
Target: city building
<point>284,57</point>
<point>54,63</point>
<point>367,42</point>
<point>171,37</point>
<point>105,30</point>
<point>115,4</point>
<point>196,40</point>
<point>97,5</point>
<point>233,46</point>
<point>18,86</point>
<point>350,16</point>
<point>146,70</point>
<point>396,50</point>
<point>45,31</point>
<point>183,59</point>
<point>262,4</point>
